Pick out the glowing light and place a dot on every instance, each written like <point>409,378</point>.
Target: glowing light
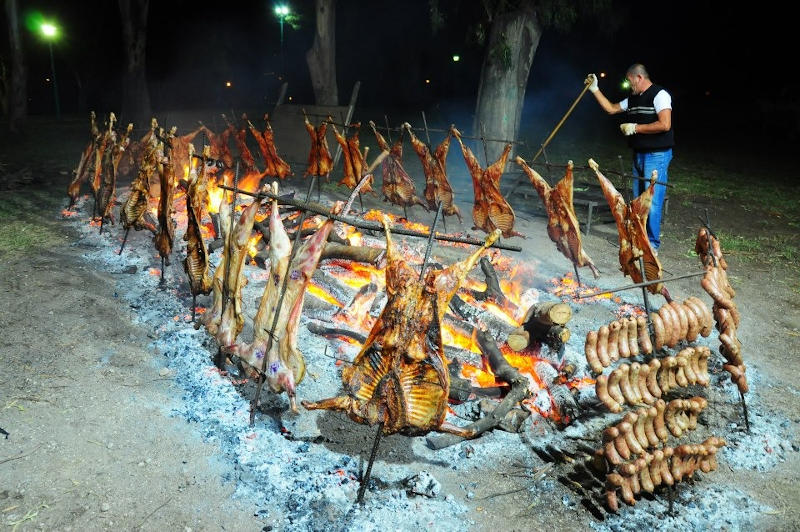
<point>602,74</point>
<point>228,84</point>
<point>456,58</point>
<point>626,85</point>
<point>49,30</point>
<point>427,81</point>
<point>282,10</point>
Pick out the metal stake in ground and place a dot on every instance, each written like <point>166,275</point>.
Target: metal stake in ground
<point>365,480</point>
<point>646,299</point>
<point>124,239</point>
<point>430,242</point>
<point>220,362</point>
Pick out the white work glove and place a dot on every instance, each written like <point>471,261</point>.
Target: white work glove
<point>591,80</point>
<point>628,129</point>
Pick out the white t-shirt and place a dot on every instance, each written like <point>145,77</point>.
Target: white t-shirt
<point>662,101</point>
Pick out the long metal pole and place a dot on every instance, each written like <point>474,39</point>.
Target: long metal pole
<point>55,83</point>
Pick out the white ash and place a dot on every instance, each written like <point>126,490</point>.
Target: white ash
<point>424,484</point>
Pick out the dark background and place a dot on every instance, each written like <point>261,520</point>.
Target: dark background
<point>729,70</point>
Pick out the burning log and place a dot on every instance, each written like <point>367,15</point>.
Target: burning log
<point>333,251</point>
<point>263,228</point>
<point>322,330</point>
<point>503,371</point>
<point>544,322</point>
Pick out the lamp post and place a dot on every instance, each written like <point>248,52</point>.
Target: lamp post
<point>282,10</point>
<point>50,33</point>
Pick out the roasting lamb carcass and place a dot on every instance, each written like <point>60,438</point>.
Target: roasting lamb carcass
<point>354,161</point>
<point>232,319</point>
<point>219,145</point>
<point>398,188</point>
<point>179,153</point>
<point>213,315</point>
<point>631,222</point>
<point>132,158</point>
<point>166,226</point>
<point>491,210</point>
<point>320,162</point>
<point>240,138</point>
<point>437,187</point>
<point>87,158</point>
<point>400,378</point>
<point>134,213</point>
<point>285,366</point>
<point>106,141</point>
<point>111,160</point>
<point>196,262</point>
<point>562,224</point>
<point>274,166</point>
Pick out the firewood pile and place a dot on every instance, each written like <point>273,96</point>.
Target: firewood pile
<point>432,336</point>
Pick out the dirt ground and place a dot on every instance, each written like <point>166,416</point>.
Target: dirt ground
<point>91,444</point>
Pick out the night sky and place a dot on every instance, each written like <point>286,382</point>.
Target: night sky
<point>717,63</point>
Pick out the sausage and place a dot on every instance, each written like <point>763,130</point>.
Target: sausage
<point>703,315</point>
<point>666,475</point>
<point>613,340</point>
<point>621,442</point>
<point>644,475</point>
<point>664,381</point>
<point>601,388</point>
<point>686,354</point>
<point>676,325</point>
<point>625,384</point>
<point>633,379</point>
<point>645,346</point>
<point>702,363</point>
<point>658,421</point>
<point>611,498</point>
<point>669,326</point>
<point>646,422</point>
<point>652,378</point>
<point>626,430</point>
<point>737,376</point>
<point>609,448</point>
<point>624,485</point>
<point>602,346</point>
<point>614,390</point>
<point>659,335</point>
<point>670,417</point>
<point>644,375</point>
<point>736,316</point>
<point>693,329</point>
<point>633,337</point>
<point>732,350</point>
<point>622,339</point>
<point>680,375</point>
<point>716,294</point>
<point>682,318</point>
<point>590,350</point>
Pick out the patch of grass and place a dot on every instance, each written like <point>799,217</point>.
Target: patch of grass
<point>737,243</point>
<point>25,221</point>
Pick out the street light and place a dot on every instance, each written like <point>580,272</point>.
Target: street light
<point>50,33</point>
<point>282,11</point>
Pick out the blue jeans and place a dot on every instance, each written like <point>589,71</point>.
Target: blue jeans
<point>643,166</point>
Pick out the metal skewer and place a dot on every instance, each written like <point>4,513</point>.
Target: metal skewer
<point>637,285</point>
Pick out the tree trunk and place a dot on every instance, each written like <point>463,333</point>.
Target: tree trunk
<point>513,40</point>
<point>135,94</point>
<point>321,58</point>
<point>17,88</point>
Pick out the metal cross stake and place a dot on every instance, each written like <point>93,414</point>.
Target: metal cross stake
<point>124,239</point>
<point>646,299</point>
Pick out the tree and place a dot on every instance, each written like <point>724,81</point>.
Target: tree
<point>135,94</point>
<point>515,28</point>
<point>321,58</point>
<point>17,101</point>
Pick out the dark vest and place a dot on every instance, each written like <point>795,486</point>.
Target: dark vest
<point>641,111</point>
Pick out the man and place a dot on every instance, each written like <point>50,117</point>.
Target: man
<point>648,126</point>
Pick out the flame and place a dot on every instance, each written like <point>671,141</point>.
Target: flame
<point>356,315</point>
<point>252,244</point>
<point>214,196</point>
<point>320,293</point>
<point>456,337</point>
<point>250,182</point>
<point>375,215</point>
<point>567,287</point>
<point>355,274</point>
<point>478,376</point>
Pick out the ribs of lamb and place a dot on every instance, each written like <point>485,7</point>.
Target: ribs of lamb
<point>491,210</point>
<point>400,378</point>
<point>398,188</point>
<point>437,187</point>
<point>274,166</point>
<point>87,157</point>
<point>562,224</point>
<point>196,262</point>
<point>134,213</point>
<point>631,222</point>
<point>320,162</point>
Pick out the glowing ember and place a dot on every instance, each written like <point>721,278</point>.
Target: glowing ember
<point>252,244</point>
<point>155,272</point>
<point>320,293</point>
<point>67,213</point>
<point>377,216</point>
<point>626,310</point>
